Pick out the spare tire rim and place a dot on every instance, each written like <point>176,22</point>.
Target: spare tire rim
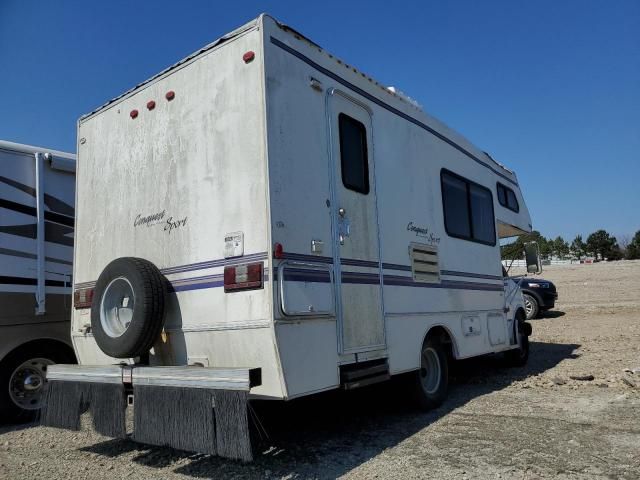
<point>116,307</point>
<point>27,381</point>
<point>430,371</point>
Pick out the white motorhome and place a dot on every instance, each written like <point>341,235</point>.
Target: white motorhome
<point>313,230</point>
<point>36,249</point>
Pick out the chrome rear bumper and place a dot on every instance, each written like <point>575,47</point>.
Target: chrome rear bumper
<point>187,377</point>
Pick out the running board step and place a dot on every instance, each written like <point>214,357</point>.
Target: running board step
<point>357,375</point>
<point>366,381</point>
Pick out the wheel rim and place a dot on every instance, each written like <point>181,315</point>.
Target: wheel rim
<point>116,307</point>
<point>430,371</point>
<point>528,306</point>
<point>27,382</point>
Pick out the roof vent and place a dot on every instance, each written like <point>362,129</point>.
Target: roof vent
<point>405,97</point>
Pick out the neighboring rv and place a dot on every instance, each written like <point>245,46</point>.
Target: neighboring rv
<point>37,189</point>
<point>264,218</point>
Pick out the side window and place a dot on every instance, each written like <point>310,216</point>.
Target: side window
<point>353,154</point>
<point>482,221</point>
<point>456,208</point>
<point>507,198</point>
<point>468,209</point>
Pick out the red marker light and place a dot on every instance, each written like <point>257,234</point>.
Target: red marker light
<point>170,95</point>
<point>248,56</point>
<point>278,251</point>
<point>151,105</point>
<point>133,113</point>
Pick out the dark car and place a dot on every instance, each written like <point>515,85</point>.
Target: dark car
<point>539,296</point>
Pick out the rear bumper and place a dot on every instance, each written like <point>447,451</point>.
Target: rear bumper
<point>548,299</point>
<point>185,377</point>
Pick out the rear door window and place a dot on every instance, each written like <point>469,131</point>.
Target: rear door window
<point>353,154</point>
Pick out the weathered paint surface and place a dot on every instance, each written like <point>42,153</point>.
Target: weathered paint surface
<point>248,147</point>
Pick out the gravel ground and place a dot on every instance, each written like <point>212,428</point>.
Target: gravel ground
<point>524,423</point>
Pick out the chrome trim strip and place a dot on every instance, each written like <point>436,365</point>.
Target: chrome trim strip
<point>85,373</point>
<point>193,377</point>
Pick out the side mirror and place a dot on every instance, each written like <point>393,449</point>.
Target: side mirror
<point>532,257</point>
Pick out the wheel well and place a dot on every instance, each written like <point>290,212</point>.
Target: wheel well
<point>444,337</point>
<point>534,295</point>
<point>41,344</point>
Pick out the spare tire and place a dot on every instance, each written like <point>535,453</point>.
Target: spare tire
<point>128,307</point>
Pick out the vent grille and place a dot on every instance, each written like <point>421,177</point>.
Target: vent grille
<point>424,263</point>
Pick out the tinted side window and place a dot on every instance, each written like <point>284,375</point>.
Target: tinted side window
<point>468,209</point>
<point>512,201</point>
<point>502,195</point>
<point>353,154</point>
<point>482,221</point>
<point>456,208</point>
<point>507,198</point>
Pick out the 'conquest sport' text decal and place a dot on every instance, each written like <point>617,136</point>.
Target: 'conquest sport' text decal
<point>153,219</point>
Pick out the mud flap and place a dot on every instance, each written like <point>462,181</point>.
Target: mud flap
<point>195,409</point>
<point>64,402</point>
<point>193,419</point>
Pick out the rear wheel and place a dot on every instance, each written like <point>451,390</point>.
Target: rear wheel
<point>531,306</point>
<point>431,382</point>
<point>22,380</point>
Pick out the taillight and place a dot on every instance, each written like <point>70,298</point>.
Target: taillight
<point>243,277</point>
<point>82,298</point>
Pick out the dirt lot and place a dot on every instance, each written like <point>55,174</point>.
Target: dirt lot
<point>532,422</point>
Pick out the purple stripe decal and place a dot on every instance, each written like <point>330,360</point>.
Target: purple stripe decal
<point>395,266</point>
<point>199,283</point>
<point>214,281</point>
<point>198,286</point>
<point>314,276</point>
<point>452,284</point>
<point>198,266</point>
<point>215,263</point>
<point>306,258</point>
<point>470,275</point>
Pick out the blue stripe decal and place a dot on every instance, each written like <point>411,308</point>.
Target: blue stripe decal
<point>315,276</point>
<point>386,106</point>
<point>394,266</point>
<point>200,283</point>
<point>471,275</point>
<point>309,275</point>
<point>301,257</point>
<point>214,263</point>
<point>198,266</point>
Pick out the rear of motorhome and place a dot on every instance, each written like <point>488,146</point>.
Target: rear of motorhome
<point>37,189</point>
<point>263,220</point>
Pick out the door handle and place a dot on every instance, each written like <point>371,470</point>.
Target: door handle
<point>342,212</point>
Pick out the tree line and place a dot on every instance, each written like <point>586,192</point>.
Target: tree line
<point>599,245</point>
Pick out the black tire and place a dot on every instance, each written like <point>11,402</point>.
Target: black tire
<point>10,411</point>
<point>147,318</point>
<point>532,307</point>
<point>428,398</point>
<point>519,356</point>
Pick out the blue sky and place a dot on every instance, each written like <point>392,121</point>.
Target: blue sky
<point>550,88</point>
